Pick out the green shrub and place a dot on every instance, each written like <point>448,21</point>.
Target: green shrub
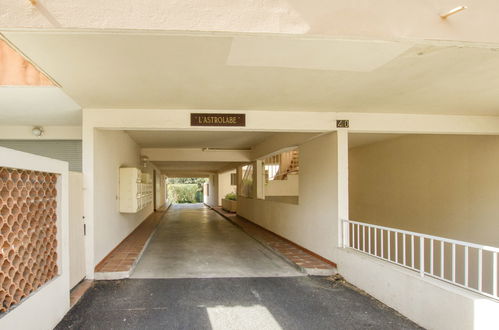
<point>183,193</point>
<point>232,196</point>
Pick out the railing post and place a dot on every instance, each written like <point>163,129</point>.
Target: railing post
<point>494,274</point>
<point>421,256</point>
<point>344,229</point>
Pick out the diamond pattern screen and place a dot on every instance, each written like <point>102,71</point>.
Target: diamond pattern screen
<point>28,231</point>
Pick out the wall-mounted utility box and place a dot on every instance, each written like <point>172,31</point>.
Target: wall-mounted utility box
<point>136,190</point>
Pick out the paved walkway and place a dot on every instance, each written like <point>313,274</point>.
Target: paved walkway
<point>307,261</point>
<point>120,262</point>
<point>229,303</point>
<point>193,241</point>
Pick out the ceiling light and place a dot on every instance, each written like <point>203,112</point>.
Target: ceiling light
<point>37,131</point>
<point>453,11</point>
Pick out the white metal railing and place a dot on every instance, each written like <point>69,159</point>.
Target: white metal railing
<point>467,265</point>
<point>277,167</point>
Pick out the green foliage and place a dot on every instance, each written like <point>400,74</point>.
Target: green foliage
<point>198,181</point>
<point>186,190</point>
<point>185,193</point>
<point>232,196</point>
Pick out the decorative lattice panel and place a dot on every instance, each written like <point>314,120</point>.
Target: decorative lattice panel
<point>28,255</point>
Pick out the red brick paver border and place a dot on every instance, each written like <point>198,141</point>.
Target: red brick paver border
<point>124,256</point>
<point>79,290</point>
<point>306,260</point>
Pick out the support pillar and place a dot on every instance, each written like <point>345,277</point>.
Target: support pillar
<point>343,198</point>
<point>259,179</point>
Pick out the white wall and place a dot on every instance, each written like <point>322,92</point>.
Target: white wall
<point>443,185</point>
<point>288,187</point>
<point>313,222</point>
<point>112,150</point>
<point>211,196</point>
<point>44,308</point>
<point>224,186</point>
<point>14,132</point>
<point>429,302</point>
<point>160,190</point>
<point>159,187</point>
<point>76,230</point>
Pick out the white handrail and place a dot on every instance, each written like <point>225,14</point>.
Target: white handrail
<point>431,259</point>
<point>447,240</point>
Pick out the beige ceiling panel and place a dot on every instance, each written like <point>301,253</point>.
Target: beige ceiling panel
<point>317,54</point>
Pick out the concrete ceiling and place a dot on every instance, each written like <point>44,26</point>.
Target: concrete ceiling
<point>166,70</point>
<point>198,139</point>
<point>34,105</point>
<point>193,167</point>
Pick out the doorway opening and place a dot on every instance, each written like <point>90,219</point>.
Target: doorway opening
<point>186,190</point>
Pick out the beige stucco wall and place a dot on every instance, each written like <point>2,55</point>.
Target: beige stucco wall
<point>113,149</point>
<point>224,186</point>
<point>443,185</point>
<point>288,187</point>
<point>211,196</point>
<point>313,222</point>
<point>160,189</point>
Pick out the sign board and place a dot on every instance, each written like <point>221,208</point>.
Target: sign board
<point>342,124</point>
<point>218,119</point>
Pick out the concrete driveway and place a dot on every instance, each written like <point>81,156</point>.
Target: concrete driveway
<point>193,241</point>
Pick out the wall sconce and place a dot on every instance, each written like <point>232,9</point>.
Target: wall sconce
<point>144,160</point>
<point>37,131</point>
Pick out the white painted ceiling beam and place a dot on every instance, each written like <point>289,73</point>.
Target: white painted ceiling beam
<point>295,121</point>
<point>270,121</point>
<point>186,174</point>
<point>195,155</point>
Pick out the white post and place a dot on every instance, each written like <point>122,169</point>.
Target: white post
<point>88,138</point>
<point>342,153</point>
<point>239,180</point>
<point>421,256</point>
<point>259,179</point>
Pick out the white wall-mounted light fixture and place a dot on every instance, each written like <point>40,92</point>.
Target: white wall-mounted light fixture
<point>37,131</point>
<point>453,11</point>
<point>144,160</point>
